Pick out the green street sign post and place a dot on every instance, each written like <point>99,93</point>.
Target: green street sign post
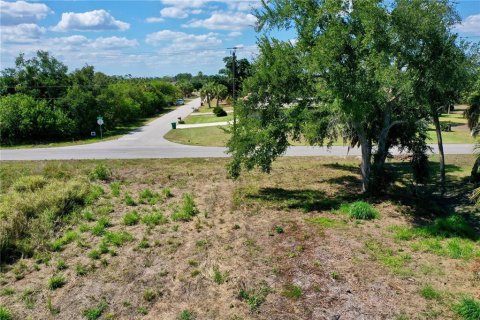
<point>100,123</point>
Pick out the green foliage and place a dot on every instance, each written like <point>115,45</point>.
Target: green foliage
<point>167,192</point>
<point>115,187</point>
<point>279,229</point>
<point>186,315</point>
<point>5,313</point>
<point>149,295</point>
<point>95,312</point>
<point>40,101</point>
<point>118,238</point>
<point>100,227</point>
<point>396,262</point>
<point>94,254</point>
<point>61,265</point>
<point>468,309</point>
<point>148,196</point>
<point>81,270</point>
<point>129,201</point>
<point>430,293</point>
<point>56,281</point>
<point>218,276</point>
<point>255,297</point>
<point>131,218</point>
<point>187,209</point>
<point>100,172</point>
<point>292,291</point>
<point>360,210</point>
<point>154,218</point>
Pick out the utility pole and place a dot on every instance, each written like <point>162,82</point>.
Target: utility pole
<point>234,62</point>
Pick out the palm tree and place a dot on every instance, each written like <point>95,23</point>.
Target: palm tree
<point>208,92</point>
<point>473,120</point>
<point>219,92</point>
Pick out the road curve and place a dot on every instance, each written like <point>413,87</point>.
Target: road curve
<point>148,142</point>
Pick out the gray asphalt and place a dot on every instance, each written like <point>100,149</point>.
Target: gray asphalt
<point>148,142</point>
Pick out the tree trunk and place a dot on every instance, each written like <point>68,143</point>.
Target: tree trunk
<point>366,147</point>
<point>438,130</point>
<point>208,100</point>
<point>217,102</point>
<point>474,176</point>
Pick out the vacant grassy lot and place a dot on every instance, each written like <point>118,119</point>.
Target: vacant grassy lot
<point>213,136</point>
<point>175,239</point>
<point>193,119</point>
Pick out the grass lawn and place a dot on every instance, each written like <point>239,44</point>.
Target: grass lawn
<point>193,119</point>
<point>176,239</point>
<point>205,136</point>
<point>213,136</point>
<point>108,135</point>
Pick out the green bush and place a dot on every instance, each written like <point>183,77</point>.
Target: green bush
<point>219,112</point>
<point>468,309</point>
<point>5,313</point>
<point>131,218</point>
<point>360,210</point>
<point>95,312</point>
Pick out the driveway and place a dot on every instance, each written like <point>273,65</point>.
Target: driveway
<point>148,142</point>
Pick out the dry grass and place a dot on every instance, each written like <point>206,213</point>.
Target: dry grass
<point>264,247</point>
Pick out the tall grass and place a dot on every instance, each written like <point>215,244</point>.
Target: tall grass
<point>33,209</point>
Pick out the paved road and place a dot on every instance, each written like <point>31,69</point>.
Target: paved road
<point>148,142</point>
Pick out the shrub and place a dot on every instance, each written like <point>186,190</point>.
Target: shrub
<point>100,172</point>
<point>360,210</point>
<point>56,281</point>
<point>468,309</point>
<point>5,313</point>
<point>131,218</point>
<point>219,112</point>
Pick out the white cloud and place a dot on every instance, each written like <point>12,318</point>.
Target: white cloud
<point>21,12</point>
<point>154,19</point>
<point>470,25</point>
<point>176,40</point>
<point>95,20</point>
<point>240,5</point>
<point>21,33</point>
<point>173,12</point>
<point>234,34</point>
<point>224,21</point>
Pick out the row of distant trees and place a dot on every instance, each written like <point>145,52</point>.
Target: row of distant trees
<point>41,101</point>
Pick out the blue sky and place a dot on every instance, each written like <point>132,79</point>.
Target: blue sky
<point>146,38</point>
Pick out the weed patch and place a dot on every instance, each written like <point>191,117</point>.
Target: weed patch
<point>255,297</point>
<point>5,313</point>
<point>187,210</point>
<point>292,291</point>
<point>95,312</point>
<point>360,210</point>
<point>154,219</point>
<point>468,309</point>
<point>131,218</point>
<point>396,262</point>
<point>56,281</point>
